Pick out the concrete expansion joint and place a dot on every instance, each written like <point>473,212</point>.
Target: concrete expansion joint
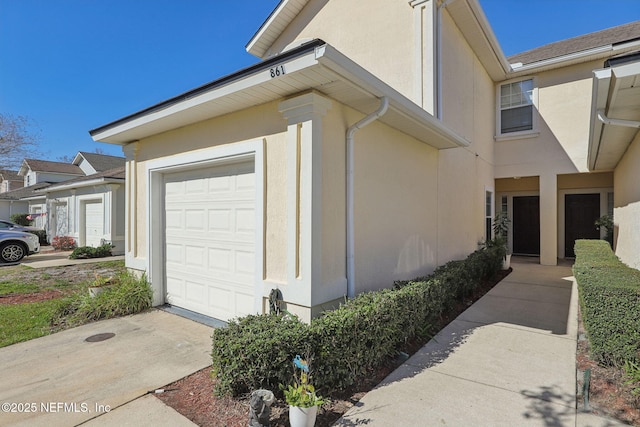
<point>521,393</point>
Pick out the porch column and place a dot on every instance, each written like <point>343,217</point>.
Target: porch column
<point>304,197</point>
<point>131,200</point>
<point>549,219</point>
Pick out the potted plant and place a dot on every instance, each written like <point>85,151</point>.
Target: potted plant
<point>99,284</point>
<point>301,396</point>
<point>606,222</point>
<point>501,236</point>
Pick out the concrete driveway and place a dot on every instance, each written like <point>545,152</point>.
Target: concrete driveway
<point>64,379</point>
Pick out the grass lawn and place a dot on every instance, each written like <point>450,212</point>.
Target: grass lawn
<point>32,317</point>
<point>22,322</point>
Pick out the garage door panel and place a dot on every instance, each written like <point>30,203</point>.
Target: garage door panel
<point>194,257</point>
<point>174,254</point>
<point>220,260</point>
<point>245,262</point>
<point>176,285</point>
<point>174,219</point>
<point>244,304</point>
<point>245,221</point>
<point>219,220</point>
<point>195,187</point>
<point>213,223</point>
<point>195,292</point>
<point>195,219</point>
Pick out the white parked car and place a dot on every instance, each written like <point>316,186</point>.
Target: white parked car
<point>15,245</point>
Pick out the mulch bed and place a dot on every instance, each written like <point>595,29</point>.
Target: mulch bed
<point>193,396</point>
<point>12,299</point>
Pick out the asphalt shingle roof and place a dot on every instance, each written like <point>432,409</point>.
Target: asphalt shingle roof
<point>115,173</point>
<point>24,191</point>
<point>610,36</point>
<point>10,175</point>
<point>53,167</point>
<point>103,162</point>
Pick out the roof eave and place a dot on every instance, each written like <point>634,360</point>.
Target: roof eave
<point>82,184</point>
<point>480,37</point>
<point>593,54</point>
<point>283,14</point>
<point>610,137</point>
<point>322,60</point>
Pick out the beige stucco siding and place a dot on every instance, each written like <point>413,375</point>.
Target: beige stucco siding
<point>585,181</point>
<point>627,206</point>
<point>395,207</point>
<point>464,174</point>
<point>333,199</point>
<point>560,147</point>
<point>378,35</point>
<point>275,256</point>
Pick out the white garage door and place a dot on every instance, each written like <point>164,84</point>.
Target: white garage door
<point>210,240</point>
<point>94,223</point>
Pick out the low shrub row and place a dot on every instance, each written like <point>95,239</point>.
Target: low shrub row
<point>347,343</point>
<point>84,252</point>
<point>610,302</point>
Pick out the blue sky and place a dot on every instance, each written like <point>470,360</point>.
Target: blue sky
<point>74,65</point>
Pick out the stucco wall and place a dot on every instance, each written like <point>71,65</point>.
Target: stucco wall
<point>564,103</point>
<point>627,206</point>
<point>464,174</point>
<point>378,35</point>
<point>396,207</point>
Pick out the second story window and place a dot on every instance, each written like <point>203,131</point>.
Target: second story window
<point>516,107</point>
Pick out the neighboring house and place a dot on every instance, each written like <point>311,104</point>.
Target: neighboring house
<point>9,201</point>
<point>34,172</point>
<point>363,151</point>
<point>89,208</point>
<point>83,199</point>
<point>9,181</point>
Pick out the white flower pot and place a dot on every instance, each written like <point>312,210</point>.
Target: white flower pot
<point>302,417</point>
<point>506,262</point>
<point>94,291</point>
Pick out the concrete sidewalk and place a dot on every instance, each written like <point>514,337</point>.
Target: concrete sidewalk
<point>64,380</point>
<point>508,360</point>
<point>50,258</point>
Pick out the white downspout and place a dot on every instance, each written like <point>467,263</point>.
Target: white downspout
<point>384,104</point>
<point>617,122</point>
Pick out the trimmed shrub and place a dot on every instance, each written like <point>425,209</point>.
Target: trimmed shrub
<point>255,352</point>
<point>63,243</point>
<point>85,252</point>
<point>21,219</point>
<point>42,236</point>
<point>347,343</point>
<point>609,294</point>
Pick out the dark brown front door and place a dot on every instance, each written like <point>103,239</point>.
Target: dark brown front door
<point>526,225</point>
<point>580,214</point>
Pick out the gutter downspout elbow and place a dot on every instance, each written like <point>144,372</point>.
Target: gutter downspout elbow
<point>384,105</point>
<point>617,122</point>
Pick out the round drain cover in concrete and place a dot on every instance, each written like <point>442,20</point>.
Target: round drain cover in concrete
<point>100,337</point>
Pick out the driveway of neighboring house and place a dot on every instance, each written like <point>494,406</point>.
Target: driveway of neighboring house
<point>73,376</point>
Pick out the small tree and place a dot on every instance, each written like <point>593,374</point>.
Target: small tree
<point>16,142</point>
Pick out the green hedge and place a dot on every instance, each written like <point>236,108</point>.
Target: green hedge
<point>85,252</point>
<point>347,343</point>
<point>610,302</point>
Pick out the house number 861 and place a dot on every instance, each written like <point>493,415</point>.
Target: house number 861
<point>277,71</point>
